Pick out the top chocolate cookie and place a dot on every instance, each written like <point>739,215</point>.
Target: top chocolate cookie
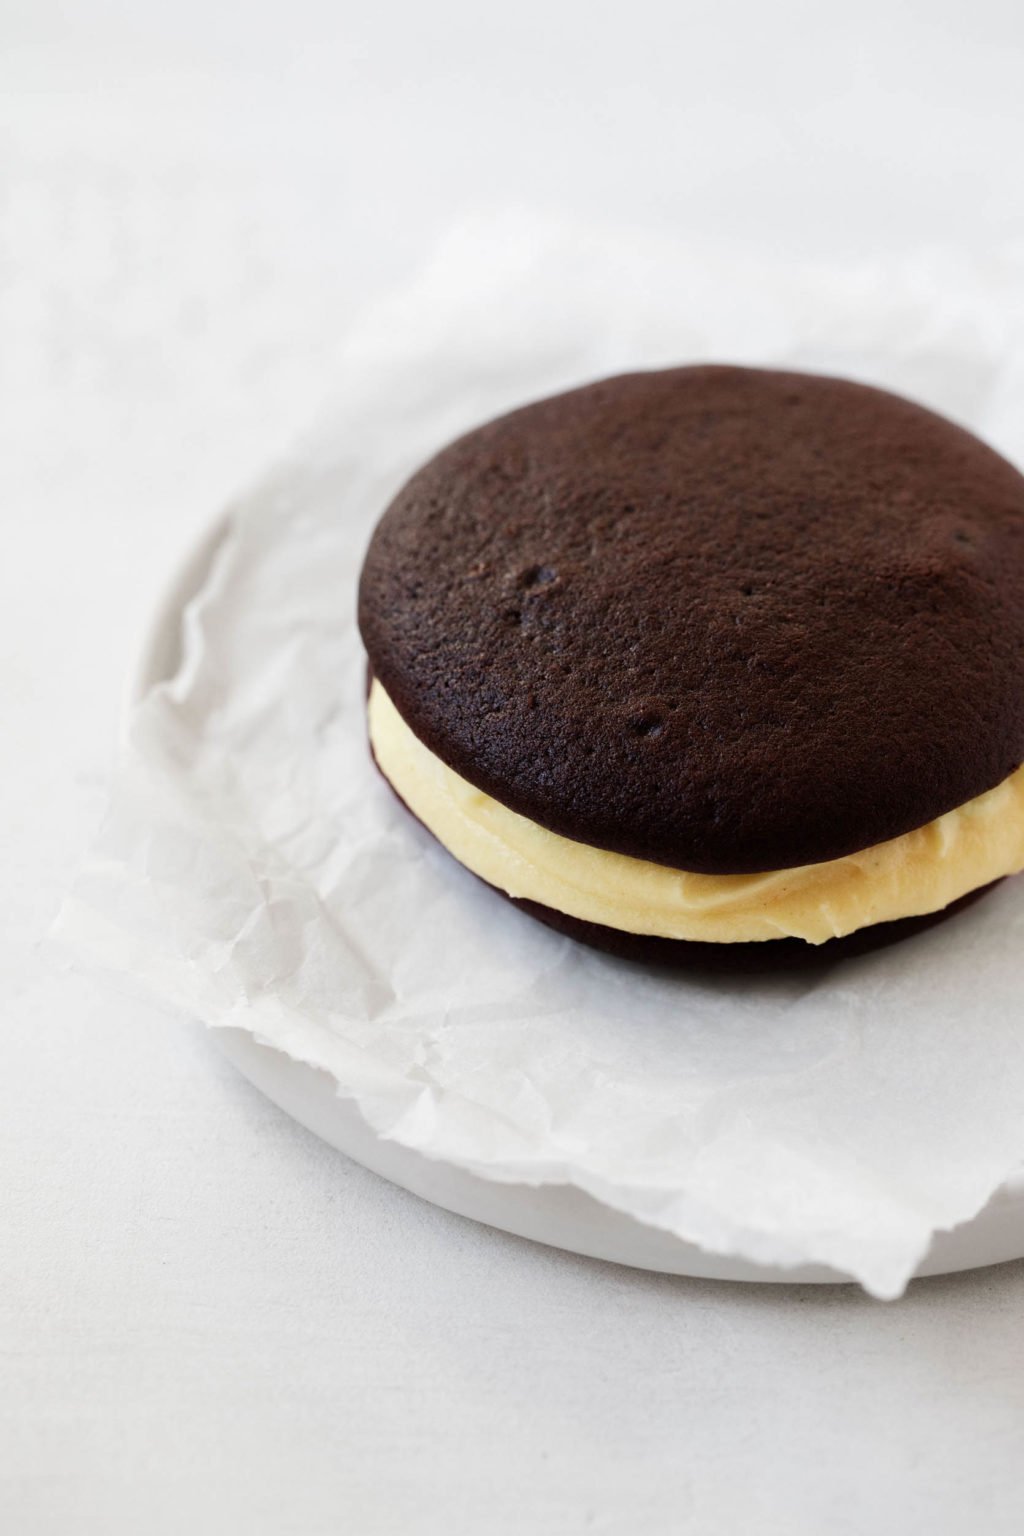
<point>720,618</point>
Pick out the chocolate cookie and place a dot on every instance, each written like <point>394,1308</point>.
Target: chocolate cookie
<point>782,955</point>
<point>717,618</point>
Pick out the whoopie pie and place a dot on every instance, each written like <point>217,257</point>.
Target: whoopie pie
<point>708,655</point>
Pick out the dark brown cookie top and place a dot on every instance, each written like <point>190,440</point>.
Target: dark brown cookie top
<point>722,618</point>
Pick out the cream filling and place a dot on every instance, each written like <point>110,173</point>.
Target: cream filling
<point>922,871</point>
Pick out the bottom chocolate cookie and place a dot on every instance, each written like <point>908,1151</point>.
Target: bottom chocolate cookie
<point>766,958</point>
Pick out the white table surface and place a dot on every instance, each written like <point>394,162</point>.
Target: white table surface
<point>209,1322</point>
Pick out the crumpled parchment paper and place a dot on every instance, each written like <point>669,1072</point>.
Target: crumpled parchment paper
<point>255,872</point>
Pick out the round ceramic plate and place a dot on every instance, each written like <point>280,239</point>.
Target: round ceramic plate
<point>558,1215</point>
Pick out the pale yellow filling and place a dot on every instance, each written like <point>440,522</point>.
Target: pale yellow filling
<point>922,871</point>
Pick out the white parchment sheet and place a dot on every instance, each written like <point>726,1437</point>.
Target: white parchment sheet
<point>255,871</point>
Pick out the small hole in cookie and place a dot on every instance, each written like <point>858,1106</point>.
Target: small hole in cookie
<point>746,590</point>
<point>648,724</point>
<point>962,537</point>
<point>537,576</point>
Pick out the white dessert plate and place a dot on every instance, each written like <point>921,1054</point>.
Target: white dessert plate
<point>560,1216</point>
